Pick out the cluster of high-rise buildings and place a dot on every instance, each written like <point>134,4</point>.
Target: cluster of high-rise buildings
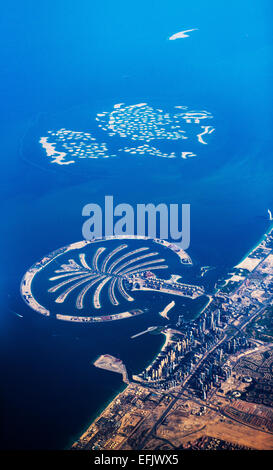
<point>214,370</point>
<point>179,357</point>
<point>201,344</point>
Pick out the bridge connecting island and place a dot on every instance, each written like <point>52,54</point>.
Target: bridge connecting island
<point>121,270</point>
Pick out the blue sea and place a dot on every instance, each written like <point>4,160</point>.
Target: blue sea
<point>64,62</point>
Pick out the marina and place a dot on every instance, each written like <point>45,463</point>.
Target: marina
<point>119,273</point>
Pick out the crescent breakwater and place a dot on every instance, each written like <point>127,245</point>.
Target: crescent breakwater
<point>82,271</point>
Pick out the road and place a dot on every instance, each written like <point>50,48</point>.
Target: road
<point>183,385</point>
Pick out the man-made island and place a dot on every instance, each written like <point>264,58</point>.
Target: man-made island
<point>113,364</point>
<point>211,385</point>
<point>89,268</point>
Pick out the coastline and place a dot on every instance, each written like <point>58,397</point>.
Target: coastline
<point>26,282</point>
<point>168,332</point>
<point>106,405</point>
<point>156,354</point>
<point>230,275</point>
<point>168,338</point>
<point>75,438</point>
<point>256,244</point>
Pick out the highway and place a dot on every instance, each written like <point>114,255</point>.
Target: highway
<point>183,385</point>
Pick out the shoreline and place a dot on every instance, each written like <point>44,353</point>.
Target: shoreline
<point>168,333</point>
<point>106,405</point>
<point>96,416</point>
<point>26,281</point>
<point>166,310</point>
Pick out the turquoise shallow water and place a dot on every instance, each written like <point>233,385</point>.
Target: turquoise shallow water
<point>90,61</point>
